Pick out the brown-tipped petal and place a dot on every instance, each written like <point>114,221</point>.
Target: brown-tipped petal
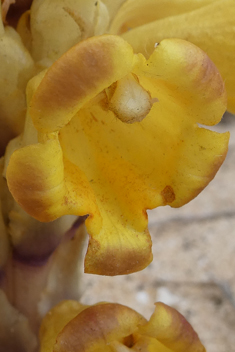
<point>78,76</point>
<point>38,183</point>
<point>210,27</point>
<point>182,73</point>
<point>169,327</point>
<point>96,327</point>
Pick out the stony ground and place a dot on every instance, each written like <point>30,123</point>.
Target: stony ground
<point>194,261</point>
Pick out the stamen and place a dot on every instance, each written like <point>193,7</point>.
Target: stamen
<point>128,100</point>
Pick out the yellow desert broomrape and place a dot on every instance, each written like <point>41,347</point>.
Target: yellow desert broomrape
<point>88,158</point>
<point>109,113</point>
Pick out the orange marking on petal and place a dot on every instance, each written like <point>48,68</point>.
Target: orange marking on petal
<point>168,194</point>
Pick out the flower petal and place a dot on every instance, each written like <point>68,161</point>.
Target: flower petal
<point>56,320</point>
<point>40,186</point>
<point>134,13</point>
<point>113,6</point>
<point>210,27</point>
<point>190,91</point>
<point>169,327</point>
<point>78,76</point>
<point>96,327</point>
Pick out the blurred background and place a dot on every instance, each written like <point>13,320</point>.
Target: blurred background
<point>194,261</point>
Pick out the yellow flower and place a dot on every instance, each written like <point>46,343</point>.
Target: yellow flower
<point>208,24</point>
<point>110,327</point>
<point>118,134</point>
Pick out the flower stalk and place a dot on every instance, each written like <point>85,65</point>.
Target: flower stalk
<point>35,279</point>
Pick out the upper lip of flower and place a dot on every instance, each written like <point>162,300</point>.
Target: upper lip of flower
<point>207,24</point>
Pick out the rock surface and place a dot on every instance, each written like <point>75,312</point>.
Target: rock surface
<point>194,261</point>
